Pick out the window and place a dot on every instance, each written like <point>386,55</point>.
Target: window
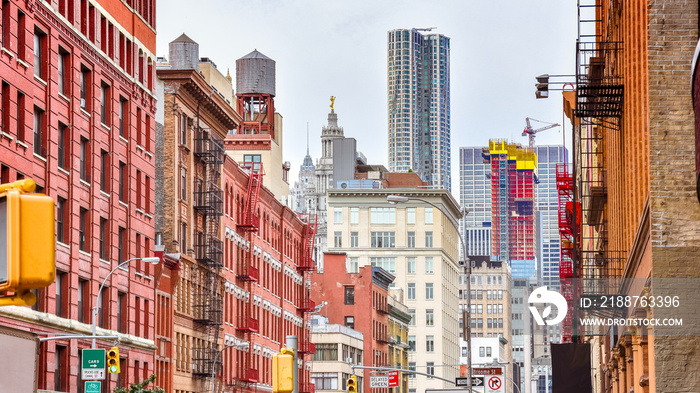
<point>183,184</point>
<point>479,309</point>
<point>326,352</point>
<point>350,321</point>
<point>429,239</point>
<point>479,294</point>
<point>353,265</point>
<point>428,215</point>
<point>83,235</point>
<point>337,215</point>
<point>354,239</point>
<point>102,305</point>
<point>349,295</point>
<point>411,294</point>
<point>482,351</point>
<point>5,108</point>
<point>412,313</point>
<point>183,237</point>
<point>62,220</point>
<point>84,157</point>
<point>325,381</point>
<point>429,343</point>
<point>430,368</point>
<point>183,130</point>
<point>105,171</point>
<point>85,84</point>
<point>387,263</point>
<point>38,132</point>
<point>6,20</point>
<point>412,367</point>
<point>383,240</point>
<point>429,317</point>
<point>429,265</point>
<point>411,240</point>
<point>123,115</point>
<point>60,369</point>
<point>104,239</point>
<point>39,49</point>
<point>480,323</point>
<point>63,65</point>
<point>411,215</point>
<point>382,215</point>
<point>60,289</point>
<point>83,310</point>
<point>121,312</point>
<point>429,291</point>
<point>354,215</point>
<point>489,324</point>
<point>411,343</point>
<point>63,145</point>
<point>21,136</point>
<point>500,323</point>
<point>337,239</point>
<point>488,351</point>
<point>500,309</point>
<point>253,160</point>
<point>122,181</point>
<point>105,107</point>
<point>411,265</point>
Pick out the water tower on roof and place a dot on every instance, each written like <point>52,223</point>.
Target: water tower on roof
<point>255,87</point>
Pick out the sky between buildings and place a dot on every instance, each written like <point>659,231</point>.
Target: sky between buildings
<point>338,48</point>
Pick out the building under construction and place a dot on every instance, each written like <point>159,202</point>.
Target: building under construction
<point>513,178</point>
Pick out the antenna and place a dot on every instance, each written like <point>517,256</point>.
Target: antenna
<point>307,138</point>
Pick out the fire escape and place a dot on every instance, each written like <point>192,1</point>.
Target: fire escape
<point>599,107</point>
<point>304,304</point>
<point>247,273</point>
<point>209,251</point>
<point>565,189</point>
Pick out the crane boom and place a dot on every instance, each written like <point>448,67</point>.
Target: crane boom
<point>530,132</point>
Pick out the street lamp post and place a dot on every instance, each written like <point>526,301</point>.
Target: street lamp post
<point>152,260</point>
<point>394,199</point>
<point>238,346</point>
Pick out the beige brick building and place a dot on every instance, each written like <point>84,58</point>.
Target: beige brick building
<point>419,246</point>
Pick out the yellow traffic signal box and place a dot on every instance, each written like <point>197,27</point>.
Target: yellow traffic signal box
<point>283,371</point>
<point>27,241</point>
<point>113,360</point>
<point>352,384</point>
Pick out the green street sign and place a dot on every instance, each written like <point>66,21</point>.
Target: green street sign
<point>93,366</point>
<point>93,387</point>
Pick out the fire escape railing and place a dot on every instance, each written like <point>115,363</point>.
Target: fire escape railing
<point>209,250</point>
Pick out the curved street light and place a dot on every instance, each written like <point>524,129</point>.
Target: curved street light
<point>395,199</point>
<point>151,260</point>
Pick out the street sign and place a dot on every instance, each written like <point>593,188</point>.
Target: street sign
<point>477,381</point>
<point>93,366</point>
<point>93,386</point>
<point>462,381</point>
<point>378,381</point>
<point>393,379</point>
<point>495,384</point>
<point>487,371</point>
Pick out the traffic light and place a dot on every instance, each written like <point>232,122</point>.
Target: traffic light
<point>352,384</point>
<point>283,371</point>
<point>542,86</point>
<point>27,242</point>
<point>113,360</point>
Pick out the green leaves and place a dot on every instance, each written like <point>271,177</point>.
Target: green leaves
<point>141,387</point>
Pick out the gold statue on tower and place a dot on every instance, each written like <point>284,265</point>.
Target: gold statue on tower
<point>332,102</point>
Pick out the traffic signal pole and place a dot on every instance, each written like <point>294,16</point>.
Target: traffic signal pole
<point>292,344</point>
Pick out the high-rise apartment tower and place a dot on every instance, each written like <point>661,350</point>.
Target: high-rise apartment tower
<point>418,87</point>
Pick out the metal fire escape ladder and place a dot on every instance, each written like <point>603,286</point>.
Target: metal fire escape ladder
<point>250,221</point>
<point>599,108</point>
<point>208,203</point>
<point>305,305</point>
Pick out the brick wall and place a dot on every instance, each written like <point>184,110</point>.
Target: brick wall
<point>675,213</point>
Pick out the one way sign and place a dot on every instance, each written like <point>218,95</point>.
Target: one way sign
<point>464,381</point>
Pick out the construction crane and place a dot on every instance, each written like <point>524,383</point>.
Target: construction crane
<point>530,132</point>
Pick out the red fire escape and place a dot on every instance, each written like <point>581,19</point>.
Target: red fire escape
<point>565,187</point>
<point>304,303</point>
<point>247,273</point>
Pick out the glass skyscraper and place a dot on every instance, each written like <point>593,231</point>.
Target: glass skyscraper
<point>419,104</point>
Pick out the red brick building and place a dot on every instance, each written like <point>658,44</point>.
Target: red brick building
<point>359,301</point>
<point>77,116</point>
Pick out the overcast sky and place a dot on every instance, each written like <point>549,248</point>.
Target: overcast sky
<point>338,48</point>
